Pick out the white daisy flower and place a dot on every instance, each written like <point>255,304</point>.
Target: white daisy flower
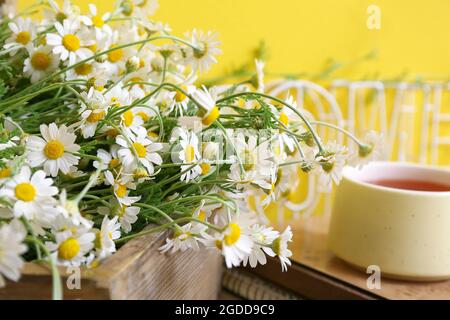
<point>97,21</point>
<point>121,188</point>
<point>55,12</point>
<point>69,210</point>
<point>32,195</point>
<point>128,215</point>
<point>374,149</point>
<point>54,150</point>
<point>330,166</point>
<point>286,116</point>
<point>262,237</point>
<point>141,151</point>
<point>118,96</point>
<point>279,248</point>
<point>12,247</point>
<point>203,56</point>
<point>180,103</point>
<point>184,238</point>
<point>131,122</point>
<point>72,246</point>
<point>92,113</point>
<point>145,8</point>
<point>189,154</point>
<point>104,242</point>
<point>40,63</point>
<point>68,43</point>
<point>23,33</point>
<point>235,243</point>
<point>110,160</point>
<point>207,99</point>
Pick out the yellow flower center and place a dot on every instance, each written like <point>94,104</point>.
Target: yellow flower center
<point>121,211</point>
<point>113,163</point>
<point>95,117</point>
<point>219,244</point>
<point>54,149</point>
<point>71,42</point>
<point>206,167</point>
<point>234,235</point>
<point>112,133</point>
<point>143,116</point>
<point>152,135</point>
<point>284,119</point>
<point>128,118</point>
<point>92,47</point>
<point>189,153</point>
<point>5,173</point>
<point>201,215</point>
<point>83,69</point>
<point>115,56</point>
<point>180,96</point>
<point>40,61</point>
<point>276,244</point>
<point>68,249</point>
<point>25,191</point>
<point>97,21</point>
<point>137,79</point>
<point>248,160</point>
<point>23,37</point>
<point>211,116</point>
<point>140,173</point>
<point>121,190</point>
<point>140,149</point>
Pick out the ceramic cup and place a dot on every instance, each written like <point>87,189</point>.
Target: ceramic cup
<point>404,232</point>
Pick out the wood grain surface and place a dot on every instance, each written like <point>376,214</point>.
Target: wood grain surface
<point>137,271</point>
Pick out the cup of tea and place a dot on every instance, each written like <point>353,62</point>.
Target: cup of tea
<point>395,216</point>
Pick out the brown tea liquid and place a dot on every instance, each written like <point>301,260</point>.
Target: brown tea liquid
<point>417,185</point>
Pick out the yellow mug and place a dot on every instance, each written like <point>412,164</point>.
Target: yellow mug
<point>406,233</point>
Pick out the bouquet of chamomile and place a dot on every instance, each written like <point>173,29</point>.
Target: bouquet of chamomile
<point>106,135</point>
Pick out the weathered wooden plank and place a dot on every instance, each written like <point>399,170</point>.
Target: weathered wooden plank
<point>136,271</point>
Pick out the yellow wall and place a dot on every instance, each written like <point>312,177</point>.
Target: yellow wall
<point>302,34</point>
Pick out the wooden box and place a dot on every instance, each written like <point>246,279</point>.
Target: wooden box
<point>137,271</point>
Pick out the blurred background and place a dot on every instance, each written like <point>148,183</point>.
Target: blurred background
<point>303,38</point>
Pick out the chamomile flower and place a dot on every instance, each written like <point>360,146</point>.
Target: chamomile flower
<point>131,122</point>
<point>189,155</point>
<point>94,110</point>
<point>181,100</point>
<point>71,246</point>
<point>235,243</point>
<point>97,21</point>
<point>128,215</point>
<point>121,188</point>
<point>66,11</point>
<point>54,150</point>
<point>40,63</point>
<point>139,150</point>
<point>286,116</point>
<point>330,166</point>
<point>146,8</point>
<point>68,43</point>
<point>262,237</point>
<point>104,241</point>
<point>109,160</point>
<point>373,149</point>
<point>206,48</point>
<point>279,248</point>
<point>70,211</point>
<point>23,33</point>
<point>184,238</point>
<point>207,99</point>
<point>32,195</point>
<point>12,247</point>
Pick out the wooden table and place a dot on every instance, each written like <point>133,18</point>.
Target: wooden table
<point>317,274</point>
